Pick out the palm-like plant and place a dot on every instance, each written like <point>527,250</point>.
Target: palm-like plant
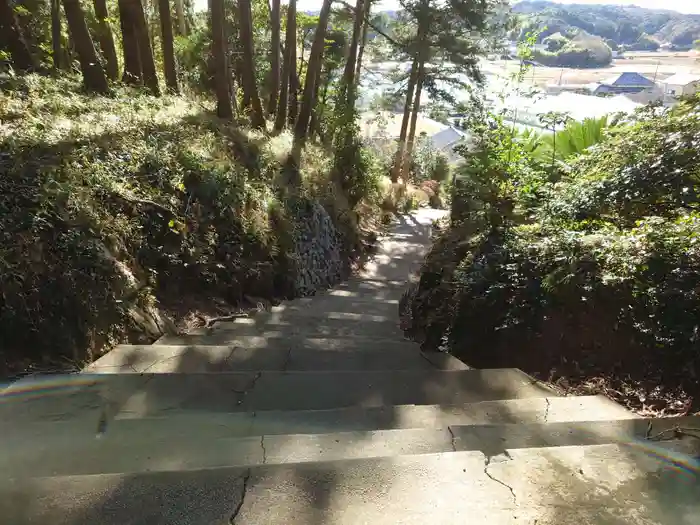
<point>575,138</point>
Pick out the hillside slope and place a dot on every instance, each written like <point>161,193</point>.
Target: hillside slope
<point>624,25</point>
<point>113,209</point>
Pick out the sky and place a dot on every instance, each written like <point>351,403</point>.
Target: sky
<point>684,6</point>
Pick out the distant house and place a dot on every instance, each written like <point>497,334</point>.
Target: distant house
<point>681,84</point>
<point>383,129</point>
<point>624,83</point>
<point>447,140</point>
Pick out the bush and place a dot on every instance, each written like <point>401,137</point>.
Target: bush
<point>592,267</point>
<point>110,203</point>
<point>582,51</point>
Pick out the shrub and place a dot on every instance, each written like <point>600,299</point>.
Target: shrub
<point>592,267</point>
<point>107,203</point>
<point>440,170</point>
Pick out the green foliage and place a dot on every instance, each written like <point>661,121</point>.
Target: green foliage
<point>193,56</point>
<point>555,42</point>
<point>574,139</point>
<point>108,202</point>
<point>355,167</point>
<point>601,260</point>
<point>644,43</point>
<point>626,25</point>
<point>648,168</point>
<point>581,51</point>
<point>440,170</point>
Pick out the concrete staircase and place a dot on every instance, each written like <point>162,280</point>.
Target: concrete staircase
<point>319,412</point>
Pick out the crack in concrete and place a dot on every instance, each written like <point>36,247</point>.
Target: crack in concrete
<point>241,501</point>
<point>490,476</point>
<point>452,439</point>
<point>230,355</point>
<point>422,354</point>
<point>546,410</point>
<point>248,387</point>
<point>287,359</point>
<point>264,451</point>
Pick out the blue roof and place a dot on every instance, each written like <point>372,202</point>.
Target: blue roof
<point>628,79</point>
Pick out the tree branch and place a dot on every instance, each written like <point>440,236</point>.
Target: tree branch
<point>370,24</point>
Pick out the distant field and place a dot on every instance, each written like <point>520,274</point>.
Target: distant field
<point>659,65</point>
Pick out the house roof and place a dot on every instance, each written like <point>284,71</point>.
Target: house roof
<point>627,79</point>
<point>447,137</point>
<point>682,79</point>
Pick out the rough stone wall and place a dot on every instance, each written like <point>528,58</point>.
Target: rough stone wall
<point>318,250</point>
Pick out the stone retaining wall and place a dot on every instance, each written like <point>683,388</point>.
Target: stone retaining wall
<point>318,250</point>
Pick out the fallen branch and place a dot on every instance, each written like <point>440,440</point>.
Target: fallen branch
<point>672,433</point>
<point>211,321</point>
<point>143,202</point>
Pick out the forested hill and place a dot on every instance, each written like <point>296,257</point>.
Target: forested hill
<point>623,25</point>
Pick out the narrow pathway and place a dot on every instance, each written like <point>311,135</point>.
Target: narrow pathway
<point>320,413</point>
<point>298,334</point>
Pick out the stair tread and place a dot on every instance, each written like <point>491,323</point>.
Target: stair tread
<point>234,391</point>
<point>117,452</point>
<point>215,425</point>
<point>304,327</point>
<point>160,394</point>
<point>259,354</point>
<point>596,484</point>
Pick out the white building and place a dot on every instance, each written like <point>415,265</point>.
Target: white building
<point>527,110</point>
<point>681,84</point>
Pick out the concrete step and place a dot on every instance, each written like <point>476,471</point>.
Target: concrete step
<point>339,304</point>
<point>299,322</point>
<point>220,425</point>
<point>139,452</point>
<point>267,325</point>
<point>378,289</point>
<point>241,391</point>
<point>580,485</point>
<point>286,354</point>
<point>357,332</point>
<point>161,394</point>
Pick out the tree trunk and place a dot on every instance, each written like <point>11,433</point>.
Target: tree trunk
<point>56,47</point>
<point>151,20</point>
<point>180,15</point>
<point>132,60</point>
<point>288,66</point>
<point>22,58</point>
<point>217,15</point>
<point>274,56</point>
<point>294,86</point>
<point>398,158</point>
<point>106,39</point>
<point>363,41</point>
<point>166,41</point>
<point>317,110</point>
<point>291,48</point>
<point>301,62</point>
<point>414,113</point>
<point>148,66</point>
<point>250,85</point>
<point>313,70</point>
<point>94,77</point>
<point>348,81</point>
